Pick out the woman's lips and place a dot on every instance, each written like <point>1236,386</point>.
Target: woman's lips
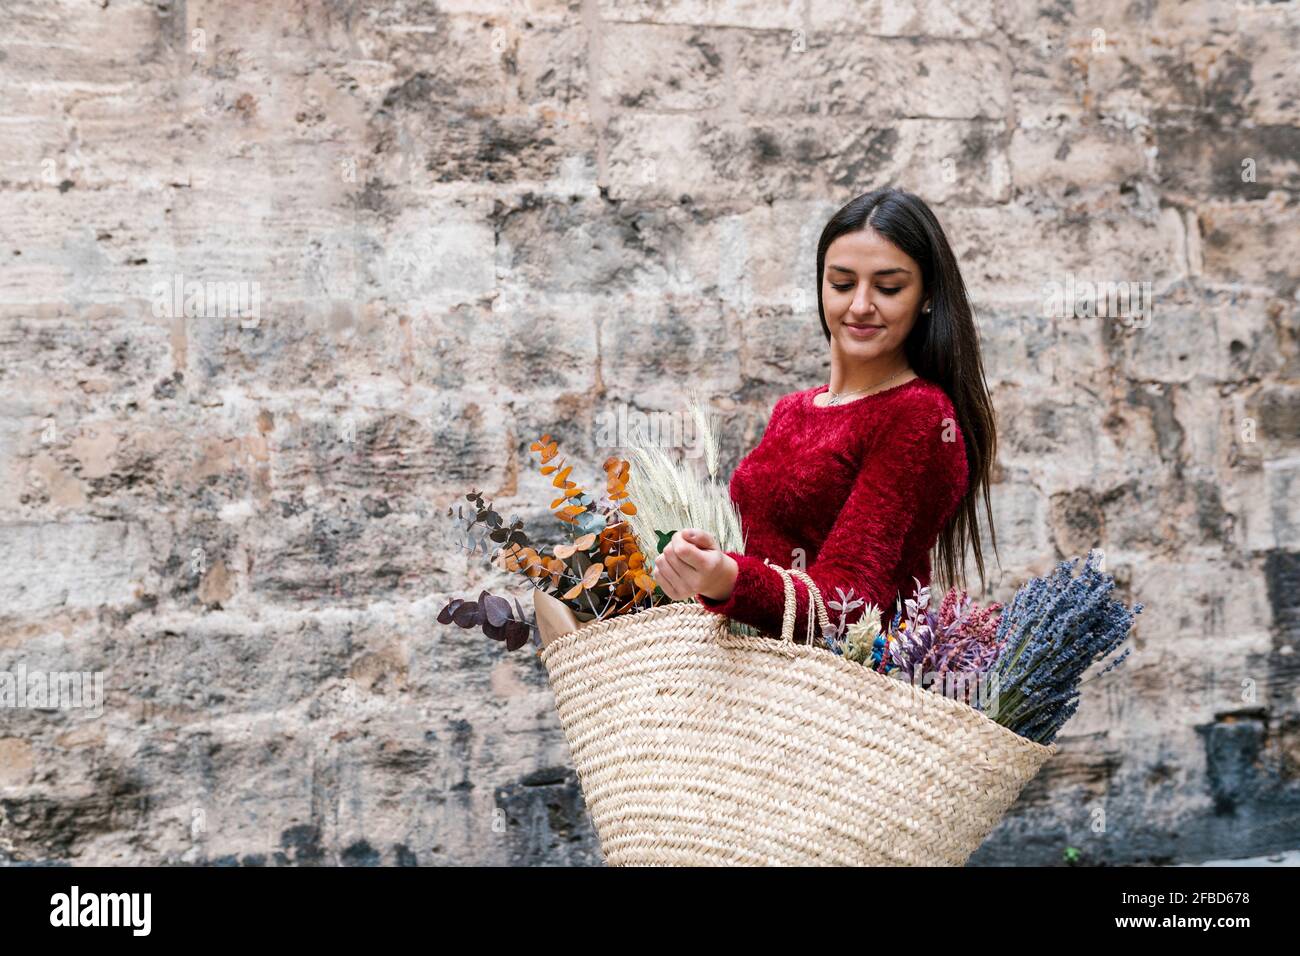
<point>863,331</point>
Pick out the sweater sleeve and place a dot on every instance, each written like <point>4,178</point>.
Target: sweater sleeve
<point>912,477</point>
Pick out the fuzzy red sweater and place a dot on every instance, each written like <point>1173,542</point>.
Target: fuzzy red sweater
<point>856,494</point>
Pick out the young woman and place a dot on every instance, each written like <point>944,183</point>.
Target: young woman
<point>857,481</point>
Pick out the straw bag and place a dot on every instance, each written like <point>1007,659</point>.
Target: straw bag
<point>695,746</point>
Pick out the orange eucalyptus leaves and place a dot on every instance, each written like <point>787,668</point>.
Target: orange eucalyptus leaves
<point>600,572</point>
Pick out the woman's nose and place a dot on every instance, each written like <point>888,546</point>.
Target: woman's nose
<point>862,304</point>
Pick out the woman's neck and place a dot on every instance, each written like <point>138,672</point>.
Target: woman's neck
<point>862,377</point>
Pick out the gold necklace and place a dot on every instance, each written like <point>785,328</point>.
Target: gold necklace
<point>836,398</point>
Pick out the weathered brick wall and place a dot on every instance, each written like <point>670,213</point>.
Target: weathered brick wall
<point>464,224</point>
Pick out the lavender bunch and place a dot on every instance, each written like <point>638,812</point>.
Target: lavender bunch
<point>1051,632</point>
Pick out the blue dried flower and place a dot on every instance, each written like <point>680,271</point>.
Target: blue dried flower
<point>1051,632</point>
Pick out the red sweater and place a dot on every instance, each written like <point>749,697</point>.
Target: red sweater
<point>863,488</point>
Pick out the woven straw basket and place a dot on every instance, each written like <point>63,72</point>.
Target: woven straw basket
<point>698,747</point>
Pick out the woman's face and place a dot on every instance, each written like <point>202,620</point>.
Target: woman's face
<point>871,295</point>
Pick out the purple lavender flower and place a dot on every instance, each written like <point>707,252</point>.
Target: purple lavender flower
<point>1051,632</point>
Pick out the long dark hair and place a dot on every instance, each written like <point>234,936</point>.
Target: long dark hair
<point>942,347</point>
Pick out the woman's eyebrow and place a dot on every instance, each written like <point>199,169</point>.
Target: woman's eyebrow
<point>882,272</point>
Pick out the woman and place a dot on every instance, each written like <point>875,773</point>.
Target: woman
<point>857,481</point>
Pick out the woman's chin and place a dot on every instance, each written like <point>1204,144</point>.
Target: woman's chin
<point>851,345</point>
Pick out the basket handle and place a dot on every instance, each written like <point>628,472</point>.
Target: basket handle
<point>814,601</point>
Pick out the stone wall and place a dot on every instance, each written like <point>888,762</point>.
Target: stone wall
<point>428,233</point>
